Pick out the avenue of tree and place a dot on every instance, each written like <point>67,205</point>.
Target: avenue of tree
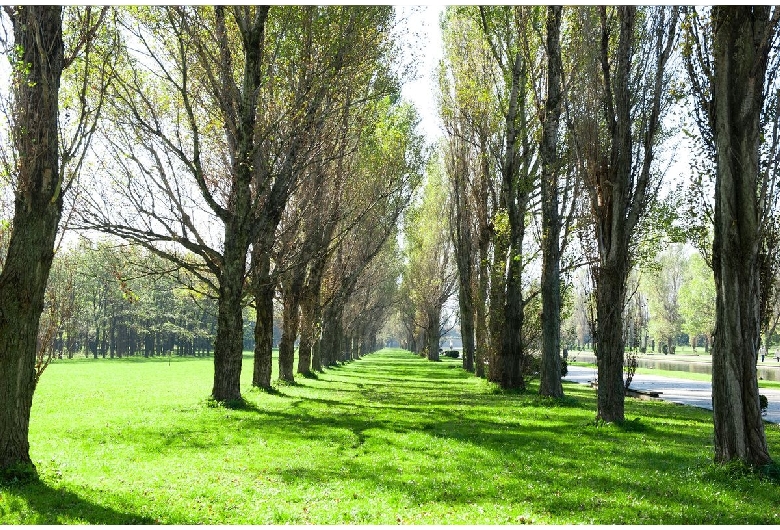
<point>253,168</point>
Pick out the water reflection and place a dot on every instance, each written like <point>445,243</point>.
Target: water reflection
<point>698,367</point>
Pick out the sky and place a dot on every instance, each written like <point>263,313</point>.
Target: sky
<point>424,39</point>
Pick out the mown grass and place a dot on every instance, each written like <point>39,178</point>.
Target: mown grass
<point>388,439</point>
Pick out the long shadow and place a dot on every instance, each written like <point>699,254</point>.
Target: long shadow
<point>51,505</point>
<point>446,416</point>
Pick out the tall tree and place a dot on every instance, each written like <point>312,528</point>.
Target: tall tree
<point>173,190</point>
<point>40,178</point>
<point>38,206</point>
<point>550,370</point>
<point>730,73</point>
<point>467,107</point>
<point>430,273</point>
<point>505,30</point>
<point>457,165</point>
<point>617,122</point>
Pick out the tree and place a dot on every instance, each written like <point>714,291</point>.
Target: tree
<point>550,369</point>
<point>617,121</point>
<point>664,285</point>
<point>462,234</point>
<point>467,107</point>
<point>430,273</point>
<point>40,177</point>
<point>697,300</point>
<point>505,30</point>
<point>167,116</point>
<point>730,73</point>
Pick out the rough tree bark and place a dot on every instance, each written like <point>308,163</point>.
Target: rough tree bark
<point>240,113</point>
<point>550,370</point>
<point>37,210</point>
<point>740,49</point>
<point>619,178</point>
<point>263,291</point>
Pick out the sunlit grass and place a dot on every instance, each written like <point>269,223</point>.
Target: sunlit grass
<point>388,439</point>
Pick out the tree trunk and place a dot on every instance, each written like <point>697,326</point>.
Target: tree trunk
<point>482,346</point>
<point>462,238</point>
<point>496,308</point>
<point>37,209</point>
<point>514,191</point>
<point>738,94</point>
<point>290,317</point>
<point>432,335</point>
<point>331,345</point>
<point>264,321</point>
<point>316,354</point>
<point>550,370</point>
<point>511,355</point>
<point>466,301</point>
<point>287,342</point>
<point>609,346</point>
<point>308,327</point>
<point>228,345</point>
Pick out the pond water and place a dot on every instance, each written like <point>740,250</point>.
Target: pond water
<point>767,373</point>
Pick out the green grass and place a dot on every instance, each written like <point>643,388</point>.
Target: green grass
<point>388,439</point>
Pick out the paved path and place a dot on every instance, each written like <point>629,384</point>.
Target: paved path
<point>683,391</point>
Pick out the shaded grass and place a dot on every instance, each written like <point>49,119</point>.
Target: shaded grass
<point>387,439</point>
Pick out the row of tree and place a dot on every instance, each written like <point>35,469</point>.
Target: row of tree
<point>553,158</point>
<point>255,153</point>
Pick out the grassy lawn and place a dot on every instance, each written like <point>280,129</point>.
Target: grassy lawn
<point>388,439</point>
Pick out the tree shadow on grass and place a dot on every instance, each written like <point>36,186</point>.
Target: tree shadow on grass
<point>43,504</point>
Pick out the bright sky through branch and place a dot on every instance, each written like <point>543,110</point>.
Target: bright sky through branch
<point>424,40</point>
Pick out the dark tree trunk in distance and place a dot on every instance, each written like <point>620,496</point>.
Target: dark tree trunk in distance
<point>264,320</point>
<point>291,302</point>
